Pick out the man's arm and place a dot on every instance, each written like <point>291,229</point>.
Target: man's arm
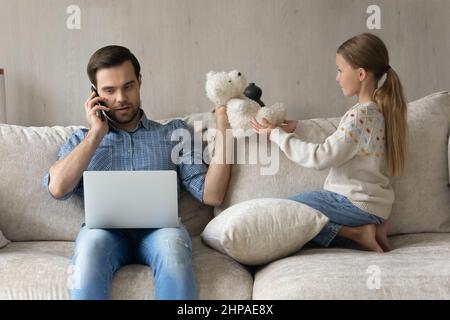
<point>66,173</point>
<point>218,174</point>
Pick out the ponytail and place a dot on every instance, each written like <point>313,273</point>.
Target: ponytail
<point>392,102</point>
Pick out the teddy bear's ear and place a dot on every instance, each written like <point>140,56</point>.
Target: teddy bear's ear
<point>210,74</point>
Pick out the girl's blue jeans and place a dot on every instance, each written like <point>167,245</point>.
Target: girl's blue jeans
<point>340,211</point>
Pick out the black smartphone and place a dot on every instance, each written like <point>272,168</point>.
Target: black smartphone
<point>99,113</point>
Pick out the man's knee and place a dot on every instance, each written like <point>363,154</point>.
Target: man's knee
<point>94,242</point>
<point>173,238</point>
<point>174,250</point>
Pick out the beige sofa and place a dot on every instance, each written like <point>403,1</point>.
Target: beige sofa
<point>35,265</point>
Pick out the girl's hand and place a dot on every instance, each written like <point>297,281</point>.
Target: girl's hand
<point>289,126</point>
<point>264,127</point>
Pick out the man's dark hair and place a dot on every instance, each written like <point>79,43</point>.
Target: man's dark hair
<point>110,56</point>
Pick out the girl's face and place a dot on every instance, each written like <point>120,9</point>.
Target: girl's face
<point>349,79</point>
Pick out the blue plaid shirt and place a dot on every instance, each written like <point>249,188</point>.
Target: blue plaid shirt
<point>148,147</point>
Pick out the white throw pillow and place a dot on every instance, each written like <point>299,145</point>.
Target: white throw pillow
<point>3,241</point>
<point>258,231</point>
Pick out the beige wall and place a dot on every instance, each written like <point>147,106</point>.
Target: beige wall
<point>285,46</point>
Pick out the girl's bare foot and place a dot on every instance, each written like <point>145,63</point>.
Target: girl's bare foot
<point>364,236</point>
<point>381,236</point>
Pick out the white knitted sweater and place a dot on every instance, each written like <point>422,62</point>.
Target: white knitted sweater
<point>355,152</point>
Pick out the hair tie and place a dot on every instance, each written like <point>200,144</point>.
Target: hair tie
<point>387,68</point>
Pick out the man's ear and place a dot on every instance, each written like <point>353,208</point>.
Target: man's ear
<point>140,80</point>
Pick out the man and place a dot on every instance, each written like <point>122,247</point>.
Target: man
<point>129,141</point>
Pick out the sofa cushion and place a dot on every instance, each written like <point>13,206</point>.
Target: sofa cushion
<point>417,268</point>
<point>3,241</point>
<point>41,270</point>
<point>28,212</point>
<point>259,231</point>
<point>422,195</point>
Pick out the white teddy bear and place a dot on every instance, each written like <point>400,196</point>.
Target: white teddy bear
<point>224,88</point>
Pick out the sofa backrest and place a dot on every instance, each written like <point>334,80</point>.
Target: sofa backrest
<point>422,202</point>
<point>27,210</point>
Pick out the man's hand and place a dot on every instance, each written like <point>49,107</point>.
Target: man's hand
<point>91,106</point>
<point>221,113</point>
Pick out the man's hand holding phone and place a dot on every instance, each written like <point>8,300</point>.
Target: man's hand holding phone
<point>94,107</point>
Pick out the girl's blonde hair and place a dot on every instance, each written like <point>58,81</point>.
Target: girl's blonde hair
<point>369,52</point>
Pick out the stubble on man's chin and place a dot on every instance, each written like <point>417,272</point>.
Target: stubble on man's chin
<point>136,113</point>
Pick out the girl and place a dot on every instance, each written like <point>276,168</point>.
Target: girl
<point>368,147</point>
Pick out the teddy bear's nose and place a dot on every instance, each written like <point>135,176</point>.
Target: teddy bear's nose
<point>239,74</point>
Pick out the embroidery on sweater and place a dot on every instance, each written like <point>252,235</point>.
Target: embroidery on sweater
<point>364,126</point>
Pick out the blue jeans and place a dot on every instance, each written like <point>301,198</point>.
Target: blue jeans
<point>341,212</point>
<point>101,252</point>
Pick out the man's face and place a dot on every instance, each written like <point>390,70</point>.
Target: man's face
<point>122,89</point>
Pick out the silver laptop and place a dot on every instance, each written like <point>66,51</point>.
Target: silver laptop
<point>130,199</point>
